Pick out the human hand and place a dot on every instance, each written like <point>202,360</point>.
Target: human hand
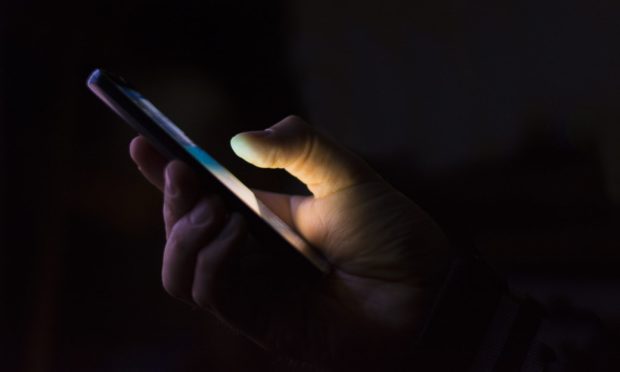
<point>387,256</point>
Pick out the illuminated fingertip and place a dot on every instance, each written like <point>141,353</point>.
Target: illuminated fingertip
<point>241,145</point>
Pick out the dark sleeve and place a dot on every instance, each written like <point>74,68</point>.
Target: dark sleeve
<point>478,324</point>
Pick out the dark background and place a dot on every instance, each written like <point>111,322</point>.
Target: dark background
<point>499,118</point>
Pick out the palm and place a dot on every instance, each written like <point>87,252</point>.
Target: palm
<point>375,239</point>
<point>370,230</point>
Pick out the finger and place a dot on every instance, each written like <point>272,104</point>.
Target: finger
<point>295,146</point>
<point>189,234</point>
<point>294,210</point>
<point>216,264</point>
<point>181,191</point>
<point>150,162</point>
<point>280,204</point>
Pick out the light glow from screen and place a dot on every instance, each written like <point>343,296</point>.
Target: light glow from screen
<point>228,179</point>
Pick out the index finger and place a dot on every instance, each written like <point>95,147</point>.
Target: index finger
<point>150,162</point>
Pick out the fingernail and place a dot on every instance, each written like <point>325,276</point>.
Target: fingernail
<point>200,214</point>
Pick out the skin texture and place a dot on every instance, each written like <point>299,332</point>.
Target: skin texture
<point>387,256</point>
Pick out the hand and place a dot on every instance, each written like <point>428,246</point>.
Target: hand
<point>387,256</point>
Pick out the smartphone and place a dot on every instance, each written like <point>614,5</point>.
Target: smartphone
<point>265,226</point>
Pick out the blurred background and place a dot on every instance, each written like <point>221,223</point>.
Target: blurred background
<point>500,118</point>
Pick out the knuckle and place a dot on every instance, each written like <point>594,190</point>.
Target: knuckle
<point>291,123</point>
<point>293,119</point>
<point>182,233</point>
<point>203,262</point>
<point>173,243</point>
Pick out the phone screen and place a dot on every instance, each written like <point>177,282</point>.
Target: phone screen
<point>223,175</point>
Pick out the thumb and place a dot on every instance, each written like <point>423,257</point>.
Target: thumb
<point>322,165</point>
